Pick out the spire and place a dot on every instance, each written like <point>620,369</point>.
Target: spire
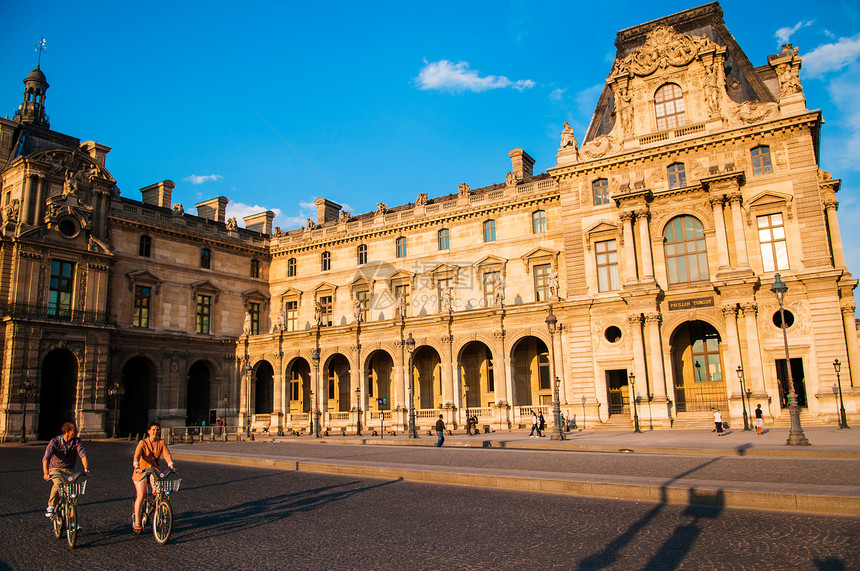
<point>32,110</point>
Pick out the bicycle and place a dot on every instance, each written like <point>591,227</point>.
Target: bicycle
<point>65,515</point>
<point>157,508</point>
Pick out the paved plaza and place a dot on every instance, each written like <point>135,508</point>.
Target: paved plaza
<point>242,517</point>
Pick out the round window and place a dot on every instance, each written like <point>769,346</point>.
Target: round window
<point>68,228</point>
<point>789,318</point>
<point>612,334</point>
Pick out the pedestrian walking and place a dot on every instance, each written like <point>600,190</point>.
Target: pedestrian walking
<point>718,421</point>
<point>440,431</point>
<point>534,425</point>
<point>541,425</point>
<point>759,419</point>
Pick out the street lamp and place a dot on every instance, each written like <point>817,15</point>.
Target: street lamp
<point>632,378</point>
<point>795,435</point>
<point>358,411</point>
<point>410,347</point>
<point>116,390</point>
<point>843,420</point>
<point>552,325</point>
<point>224,419</point>
<point>26,390</point>
<point>743,393</point>
<point>248,370</point>
<point>315,357</point>
<point>466,408</point>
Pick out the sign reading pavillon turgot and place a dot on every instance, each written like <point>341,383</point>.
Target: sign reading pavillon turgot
<point>691,303</point>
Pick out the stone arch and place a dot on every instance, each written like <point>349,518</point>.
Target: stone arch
<point>531,370</point>
<point>263,385</point>
<point>58,386</point>
<point>476,373</point>
<point>138,403</point>
<point>197,394</point>
<point>698,371</point>
<point>379,371</point>
<point>299,375</point>
<point>427,377</point>
<point>337,382</point>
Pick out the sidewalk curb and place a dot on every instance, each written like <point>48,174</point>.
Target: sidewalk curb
<point>822,500</point>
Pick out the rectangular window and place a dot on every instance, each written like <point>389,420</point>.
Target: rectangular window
<point>325,310</point>
<point>295,386</point>
<point>291,268</point>
<point>142,295</point>
<point>362,254</point>
<point>539,222</point>
<point>332,385</point>
<point>401,247</point>
<point>543,372</point>
<point>204,312</point>
<point>254,310</point>
<point>404,292</point>
<point>489,283</point>
<point>364,298</point>
<point>205,258</point>
<point>490,231</point>
<point>771,236</point>
<point>325,261</point>
<point>62,283</point>
<point>600,190</point>
<point>607,265</point>
<point>677,175</point>
<point>541,273</point>
<point>292,311</point>
<point>761,160</point>
<point>145,246</point>
<point>444,239</point>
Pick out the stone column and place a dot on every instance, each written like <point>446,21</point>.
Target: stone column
<point>277,393</point>
<point>740,238</point>
<point>658,378</point>
<point>629,251</point>
<point>41,191</point>
<point>639,364</point>
<point>720,228</point>
<point>732,357</point>
<point>851,339</point>
<point>501,373</point>
<point>448,370</point>
<point>27,200</point>
<point>830,208</point>
<point>754,372</point>
<point>642,221</point>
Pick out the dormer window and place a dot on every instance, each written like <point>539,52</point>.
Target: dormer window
<point>669,107</point>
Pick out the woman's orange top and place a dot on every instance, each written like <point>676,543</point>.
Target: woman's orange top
<point>148,453</point>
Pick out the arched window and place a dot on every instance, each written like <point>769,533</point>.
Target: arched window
<point>361,251</point>
<point>669,107</point>
<point>401,247</point>
<point>444,236</point>
<point>600,189</point>
<point>686,254</point>
<point>490,231</point>
<point>538,221</point>
<point>291,268</point>
<point>677,175</point>
<point>761,160</point>
<point>325,261</point>
<point>255,268</point>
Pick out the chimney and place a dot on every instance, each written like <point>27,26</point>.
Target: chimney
<point>213,209</point>
<point>159,194</point>
<point>260,222</point>
<point>326,210</point>
<point>97,151</point>
<point>521,164</point>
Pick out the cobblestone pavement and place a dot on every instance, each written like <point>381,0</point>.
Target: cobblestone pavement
<point>242,518</point>
<point>809,471</point>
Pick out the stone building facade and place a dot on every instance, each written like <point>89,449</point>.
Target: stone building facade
<point>654,243</point>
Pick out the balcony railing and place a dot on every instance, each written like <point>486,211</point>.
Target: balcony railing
<point>27,311</point>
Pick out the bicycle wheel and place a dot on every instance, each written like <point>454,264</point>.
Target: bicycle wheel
<point>71,525</point>
<point>58,521</point>
<point>162,521</point>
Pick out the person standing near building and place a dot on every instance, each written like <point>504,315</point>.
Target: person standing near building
<point>534,425</point>
<point>541,424</point>
<point>759,419</point>
<point>718,421</point>
<point>61,456</point>
<point>440,431</point>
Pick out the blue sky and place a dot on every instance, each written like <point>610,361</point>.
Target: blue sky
<point>274,105</point>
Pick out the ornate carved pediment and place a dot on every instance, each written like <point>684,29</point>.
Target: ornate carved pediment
<point>663,47</point>
<point>206,287</point>
<point>253,296</point>
<point>539,254</point>
<point>68,163</point>
<point>600,147</point>
<point>401,276</point>
<point>750,112</point>
<point>143,277</point>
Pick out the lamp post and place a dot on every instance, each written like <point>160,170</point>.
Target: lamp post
<point>248,370</point>
<point>632,378</point>
<point>224,421</point>
<point>743,393</point>
<point>466,408</point>
<point>358,411</point>
<point>410,348</point>
<point>843,420</point>
<point>795,435</point>
<point>583,414</point>
<point>315,357</point>
<point>26,390</point>
<point>552,325</point>
<point>115,391</point>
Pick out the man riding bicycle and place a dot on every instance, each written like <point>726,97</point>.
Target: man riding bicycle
<point>60,459</point>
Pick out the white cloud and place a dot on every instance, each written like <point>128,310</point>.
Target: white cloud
<point>784,34</point>
<point>557,94</point>
<point>201,178</point>
<point>831,57</point>
<point>444,75</point>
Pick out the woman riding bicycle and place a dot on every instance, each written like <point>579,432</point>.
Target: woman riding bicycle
<point>148,453</point>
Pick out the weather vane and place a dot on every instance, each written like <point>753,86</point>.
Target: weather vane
<point>40,47</point>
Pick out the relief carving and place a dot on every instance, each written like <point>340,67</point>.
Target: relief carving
<point>600,147</point>
<point>663,47</point>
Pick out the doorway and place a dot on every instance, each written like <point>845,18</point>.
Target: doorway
<point>797,377</point>
<point>57,392</point>
<point>617,392</point>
